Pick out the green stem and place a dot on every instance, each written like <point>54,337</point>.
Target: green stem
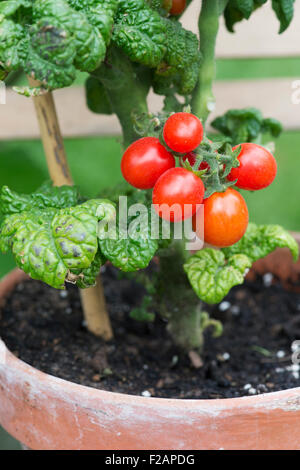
<point>176,301</point>
<point>222,6</point>
<point>186,328</point>
<point>203,101</point>
<point>126,92</point>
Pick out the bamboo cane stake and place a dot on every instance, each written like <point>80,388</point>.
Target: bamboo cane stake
<point>51,137</point>
<point>92,299</point>
<point>95,313</point>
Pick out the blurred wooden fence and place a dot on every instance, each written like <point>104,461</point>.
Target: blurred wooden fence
<point>256,38</point>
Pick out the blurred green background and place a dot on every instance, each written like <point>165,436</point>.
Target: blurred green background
<point>95,163</point>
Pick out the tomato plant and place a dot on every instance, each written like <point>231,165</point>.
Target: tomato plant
<point>257,168</point>
<point>183,132</point>
<point>127,49</point>
<point>225,218</point>
<point>145,161</point>
<point>181,189</point>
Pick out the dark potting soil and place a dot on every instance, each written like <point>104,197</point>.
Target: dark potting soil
<point>44,327</point>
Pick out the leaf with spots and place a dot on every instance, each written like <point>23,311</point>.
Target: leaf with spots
<point>49,243</point>
<point>87,277</point>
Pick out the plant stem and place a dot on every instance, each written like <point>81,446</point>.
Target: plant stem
<point>127,93</point>
<point>176,300</point>
<point>222,6</point>
<point>186,328</point>
<point>203,101</point>
<point>93,301</point>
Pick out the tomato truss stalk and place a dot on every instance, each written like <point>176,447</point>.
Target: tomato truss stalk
<point>203,101</point>
<point>93,301</point>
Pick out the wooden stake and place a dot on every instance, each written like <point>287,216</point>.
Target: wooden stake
<point>93,300</point>
<point>51,137</point>
<point>95,314</point>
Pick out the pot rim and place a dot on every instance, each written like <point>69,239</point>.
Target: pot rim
<point>289,397</point>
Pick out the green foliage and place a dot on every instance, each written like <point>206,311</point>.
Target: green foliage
<point>246,125</point>
<point>284,10</point>
<point>141,313</point>
<point>87,277</point>
<point>260,240</point>
<point>163,55</point>
<point>131,247</point>
<point>87,39</point>
<point>212,276</point>
<point>181,63</point>
<point>51,39</point>
<point>141,35</point>
<point>97,97</point>
<point>99,13</point>
<point>52,238</point>
<point>134,242</point>
<point>212,273</point>
<point>237,10</point>
<point>11,35</point>
<point>47,196</point>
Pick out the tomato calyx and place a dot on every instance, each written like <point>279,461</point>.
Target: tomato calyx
<point>212,162</point>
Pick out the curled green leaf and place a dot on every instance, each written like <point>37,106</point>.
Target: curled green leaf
<point>47,196</point>
<point>87,277</point>
<point>260,240</point>
<point>50,243</point>
<point>51,39</point>
<point>212,276</point>
<point>181,63</point>
<point>284,10</point>
<point>246,125</point>
<point>141,35</point>
<point>131,248</point>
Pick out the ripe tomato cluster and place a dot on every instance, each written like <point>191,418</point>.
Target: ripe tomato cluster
<point>178,191</point>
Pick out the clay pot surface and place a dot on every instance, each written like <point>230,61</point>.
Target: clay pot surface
<point>45,412</point>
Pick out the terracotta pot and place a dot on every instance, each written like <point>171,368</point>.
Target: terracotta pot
<point>44,412</point>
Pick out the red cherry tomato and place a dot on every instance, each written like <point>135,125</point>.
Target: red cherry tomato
<point>181,189</point>
<point>145,161</point>
<point>178,6</point>
<point>191,157</point>
<point>257,168</point>
<point>183,132</point>
<point>226,218</point>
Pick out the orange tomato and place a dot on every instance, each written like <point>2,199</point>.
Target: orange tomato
<point>226,218</point>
